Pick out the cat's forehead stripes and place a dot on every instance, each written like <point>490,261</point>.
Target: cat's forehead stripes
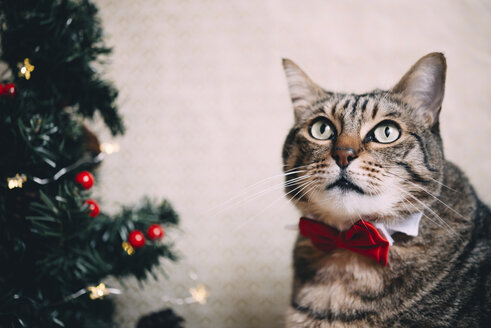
<point>374,110</point>
<point>348,110</point>
<point>354,109</point>
<point>355,106</point>
<point>364,106</point>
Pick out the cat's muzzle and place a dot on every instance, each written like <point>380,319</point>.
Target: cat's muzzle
<point>345,185</point>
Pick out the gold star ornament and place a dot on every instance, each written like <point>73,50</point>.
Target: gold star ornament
<point>98,291</point>
<point>17,181</point>
<point>25,69</point>
<point>199,294</point>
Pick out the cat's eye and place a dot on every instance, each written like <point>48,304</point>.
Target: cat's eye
<point>322,129</point>
<point>386,132</point>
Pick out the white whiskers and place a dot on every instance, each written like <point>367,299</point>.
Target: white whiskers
<point>302,186</point>
<point>246,196</point>
<point>431,194</point>
<point>426,207</point>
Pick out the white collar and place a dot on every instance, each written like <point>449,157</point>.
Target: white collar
<point>408,226</point>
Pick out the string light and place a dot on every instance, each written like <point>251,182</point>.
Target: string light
<point>106,148</point>
<point>96,292</point>
<point>87,159</point>
<point>199,294</point>
<point>109,148</point>
<point>25,69</point>
<point>17,181</point>
<point>128,248</point>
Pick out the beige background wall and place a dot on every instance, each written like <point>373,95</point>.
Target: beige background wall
<point>207,110</point>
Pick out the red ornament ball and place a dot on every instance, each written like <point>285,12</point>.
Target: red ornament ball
<point>85,179</point>
<point>93,207</point>
<point>155,232</point>
<point>7,90</point>
<point>136,239</point>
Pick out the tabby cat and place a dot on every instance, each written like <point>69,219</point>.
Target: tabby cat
<point>378,157</point>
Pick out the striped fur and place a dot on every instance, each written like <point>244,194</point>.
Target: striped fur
<point>441,278</point>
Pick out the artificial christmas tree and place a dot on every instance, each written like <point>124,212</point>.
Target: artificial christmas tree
<point>56,242</point>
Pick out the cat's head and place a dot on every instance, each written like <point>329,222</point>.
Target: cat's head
<point>376,156</point>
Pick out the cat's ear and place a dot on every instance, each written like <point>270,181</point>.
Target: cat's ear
<point>303,91</point>
<point>423,86</point>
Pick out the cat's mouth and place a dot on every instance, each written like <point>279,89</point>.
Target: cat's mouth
<point>345,185</point>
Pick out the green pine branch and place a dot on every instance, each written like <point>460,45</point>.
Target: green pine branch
<point>50,248</point>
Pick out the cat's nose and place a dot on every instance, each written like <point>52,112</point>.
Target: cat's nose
<point>343,156</point>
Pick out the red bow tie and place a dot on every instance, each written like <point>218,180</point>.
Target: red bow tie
<point>362,238</point>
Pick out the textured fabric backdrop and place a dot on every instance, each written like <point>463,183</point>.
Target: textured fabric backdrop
<point>206,105</point>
